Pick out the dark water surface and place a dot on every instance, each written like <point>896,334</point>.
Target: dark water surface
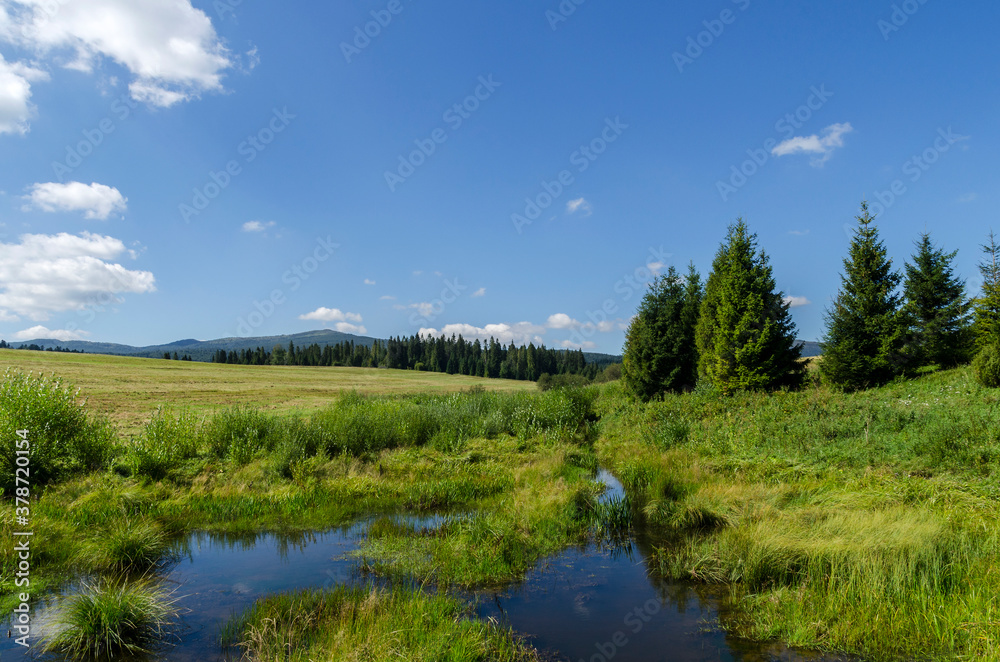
<point>588,604</point>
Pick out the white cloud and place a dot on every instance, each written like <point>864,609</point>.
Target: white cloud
<point>97,201</point>
<point>169,46</point>
<point>42,333</point>
<point>580,204</point>
<point>55,273</point>
<point>521,333</point>
<point>586,344</point>
<point>561,321</point>
<point>797,302</point>
<point>331,315</point>
<point>387,297</point>
<point>798,233</point>
<point>824,145</point>
<point>968,197</point>
<point>656,267</point>
<point>15,94</point>
<point>258,226</point>
<point>481,292</point>
<point>345,327</point>
<point>369,281</point>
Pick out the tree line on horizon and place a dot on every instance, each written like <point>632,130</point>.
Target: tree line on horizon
<point>734,332</point>
<point>454,356</point>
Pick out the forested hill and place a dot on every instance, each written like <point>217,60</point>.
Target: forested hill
<point>330,348</point>
<point>454,355</point>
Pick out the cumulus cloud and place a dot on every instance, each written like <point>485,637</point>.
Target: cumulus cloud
<point>586,344</point>
<point>656,267</point>
<point>387,297</point>
<point>561,321</point>
<point>578,205</point>
<point>44,274</point>
<point>797,302</point>
<point>481,292</point>
<point>15,94</point>
<point>43,333</point>
<point>96,201</point>
<point>331,315</point>
<point>346,327</point>
<point>369,281</point>
<point>823,145</point>
<point>170,47</point>
<point>258,226</point>
<point>521,333</point>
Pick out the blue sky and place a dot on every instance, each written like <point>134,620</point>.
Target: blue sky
<point>175,168</point>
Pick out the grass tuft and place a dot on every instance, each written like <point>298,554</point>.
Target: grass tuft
<point>110,620</point>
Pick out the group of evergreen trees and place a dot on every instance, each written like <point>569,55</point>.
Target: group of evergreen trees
<point>736,332</point>
<point>40,348</point>
<point>877,332</point>
<point>455,356</point>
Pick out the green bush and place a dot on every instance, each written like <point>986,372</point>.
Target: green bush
<point>986,366</point>
<point>166,440</point>
<point>63,438</point>
<point>241,433</point>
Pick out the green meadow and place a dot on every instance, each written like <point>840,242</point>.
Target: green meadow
<point>862,523</point>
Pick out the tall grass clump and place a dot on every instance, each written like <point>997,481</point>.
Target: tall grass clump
<point>110,620</point>
<point>355,623</point>
<point>240,434</point>
<point>131,546</point>
<point>63,438</point>
<point>166,440</point>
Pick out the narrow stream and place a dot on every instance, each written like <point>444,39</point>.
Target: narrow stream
<point>589,604</point>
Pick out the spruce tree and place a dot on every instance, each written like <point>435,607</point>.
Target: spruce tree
<point>745,334</point>
<point>865,336</point>
<point>660,353</point>
<point>987,306</point>
<point>937,311</point>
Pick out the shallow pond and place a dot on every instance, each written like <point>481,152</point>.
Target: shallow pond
<point>593,604</point>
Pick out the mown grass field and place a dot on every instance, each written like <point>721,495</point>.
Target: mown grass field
<point>128,390</point>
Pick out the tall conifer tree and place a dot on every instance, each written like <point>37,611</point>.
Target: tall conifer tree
<point>865,336</point>
<point>660,353</point>
<point>937,310</point>
<point>987,306</point>
<point>745,334</point>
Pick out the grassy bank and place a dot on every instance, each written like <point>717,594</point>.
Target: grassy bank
<point>864,523</point>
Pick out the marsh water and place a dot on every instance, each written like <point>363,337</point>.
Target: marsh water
<point>591,603</point>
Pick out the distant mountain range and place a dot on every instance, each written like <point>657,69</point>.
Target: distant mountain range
<point>203,350</point>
